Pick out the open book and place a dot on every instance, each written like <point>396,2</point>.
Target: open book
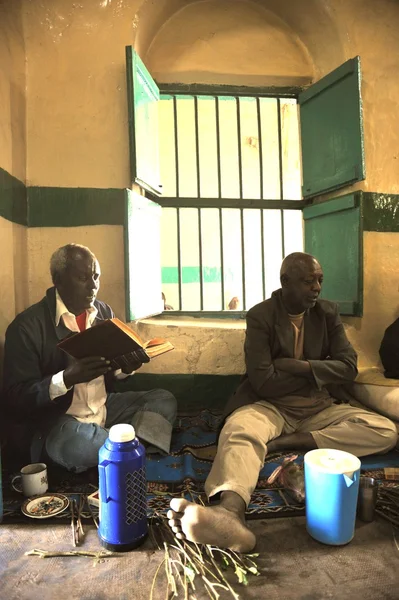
<point>112,339</point>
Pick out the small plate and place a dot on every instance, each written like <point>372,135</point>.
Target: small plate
<point>45,506</point>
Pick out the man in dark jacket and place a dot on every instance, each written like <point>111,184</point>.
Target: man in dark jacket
<point>61,408</point>
<point>389,351</point>
<point>297,355</point>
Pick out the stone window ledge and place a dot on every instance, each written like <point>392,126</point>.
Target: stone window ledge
<point>163,321</point>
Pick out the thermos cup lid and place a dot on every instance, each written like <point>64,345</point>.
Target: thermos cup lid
<point>122,433</point>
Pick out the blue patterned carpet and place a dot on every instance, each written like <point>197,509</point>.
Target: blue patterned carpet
<point>184,472</point>
<point>194,445</point>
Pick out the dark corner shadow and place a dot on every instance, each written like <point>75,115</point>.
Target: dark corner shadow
<point>1,362</point>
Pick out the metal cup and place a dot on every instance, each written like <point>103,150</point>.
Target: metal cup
<point>367,500</point>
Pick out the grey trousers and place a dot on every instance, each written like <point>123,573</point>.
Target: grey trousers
<point>75,445</point>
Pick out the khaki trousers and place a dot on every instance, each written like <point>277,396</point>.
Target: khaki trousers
<point>243,440</point>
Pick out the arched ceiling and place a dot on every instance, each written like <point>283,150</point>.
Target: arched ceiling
<point>311,22</point>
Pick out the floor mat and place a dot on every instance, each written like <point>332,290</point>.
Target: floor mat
<point>183,473</point>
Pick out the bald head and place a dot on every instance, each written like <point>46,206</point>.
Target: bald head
<point>297,262</point>
<point>301,278</point>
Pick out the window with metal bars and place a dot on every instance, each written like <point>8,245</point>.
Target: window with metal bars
<point>231,177</point>
<point>217,171</point>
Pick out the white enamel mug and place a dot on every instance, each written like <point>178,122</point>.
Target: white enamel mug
<point>32,480</point>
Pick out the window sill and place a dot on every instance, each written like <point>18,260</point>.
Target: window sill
<point>195,322</point>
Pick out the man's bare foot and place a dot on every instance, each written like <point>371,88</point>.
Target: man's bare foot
<point>215,525</point>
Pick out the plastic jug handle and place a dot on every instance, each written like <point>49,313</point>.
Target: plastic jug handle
<point>102,472</point>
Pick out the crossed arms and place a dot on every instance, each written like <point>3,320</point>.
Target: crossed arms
<point>279,376</point>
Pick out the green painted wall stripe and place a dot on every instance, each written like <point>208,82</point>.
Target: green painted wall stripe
<point>71,207</point>
<point>12,198</point>
<point>68,207</point>
<point>191,275</point>
<point>59,207</point>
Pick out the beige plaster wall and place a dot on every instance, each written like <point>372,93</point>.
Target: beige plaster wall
<point>227,42</point>
<point>13,289</point>
<point>77,106</point>
<point>371,31</point>
<point>13,271</point>
<point>12,90</point>
<point>381,294</point>
<point>106,241</point>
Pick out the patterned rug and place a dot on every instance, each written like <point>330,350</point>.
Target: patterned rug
<point>184,472</point>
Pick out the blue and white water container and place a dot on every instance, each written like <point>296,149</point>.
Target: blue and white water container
<point>122,490</point>
<point>331,489</point>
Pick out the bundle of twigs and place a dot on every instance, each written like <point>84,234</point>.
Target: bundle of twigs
<point>388,504</point>
<point>188,565</point>
<point>52,554</point>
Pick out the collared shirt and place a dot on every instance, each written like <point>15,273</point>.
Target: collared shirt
<point>88,402</point>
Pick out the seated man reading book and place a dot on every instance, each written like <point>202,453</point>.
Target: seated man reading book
<point>297,357</point>
<point>58,407</point>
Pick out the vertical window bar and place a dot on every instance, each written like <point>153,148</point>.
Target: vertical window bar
<point>221,256</point>
<point>218,145</point>
<point>176,155</point>
<point>244,302</point>
<point>280,160</point>
<point>179,269</point>
<point>197,155</point>
<point>260,150</point>
<point>200,260</point>
<point>199,210</point>
<point>262,241</point>
<point>239,144</point>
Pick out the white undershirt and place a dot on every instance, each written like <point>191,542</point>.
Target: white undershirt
<point>88,402</point>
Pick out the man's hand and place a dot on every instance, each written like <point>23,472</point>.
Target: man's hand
<point>85,369</point>
<point>293,366</point>
<point>132,361</point>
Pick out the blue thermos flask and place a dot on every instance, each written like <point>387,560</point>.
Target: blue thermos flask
<point>122,490</point>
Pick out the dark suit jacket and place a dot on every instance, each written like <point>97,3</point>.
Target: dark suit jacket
<point>270,336</point>
<point>389,351</point>
<point>31,358</point>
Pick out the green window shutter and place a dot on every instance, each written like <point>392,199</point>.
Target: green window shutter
<point>332,131</point>
<point>142,257</point>
<point>143,98</point>
<point>333,234</point>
